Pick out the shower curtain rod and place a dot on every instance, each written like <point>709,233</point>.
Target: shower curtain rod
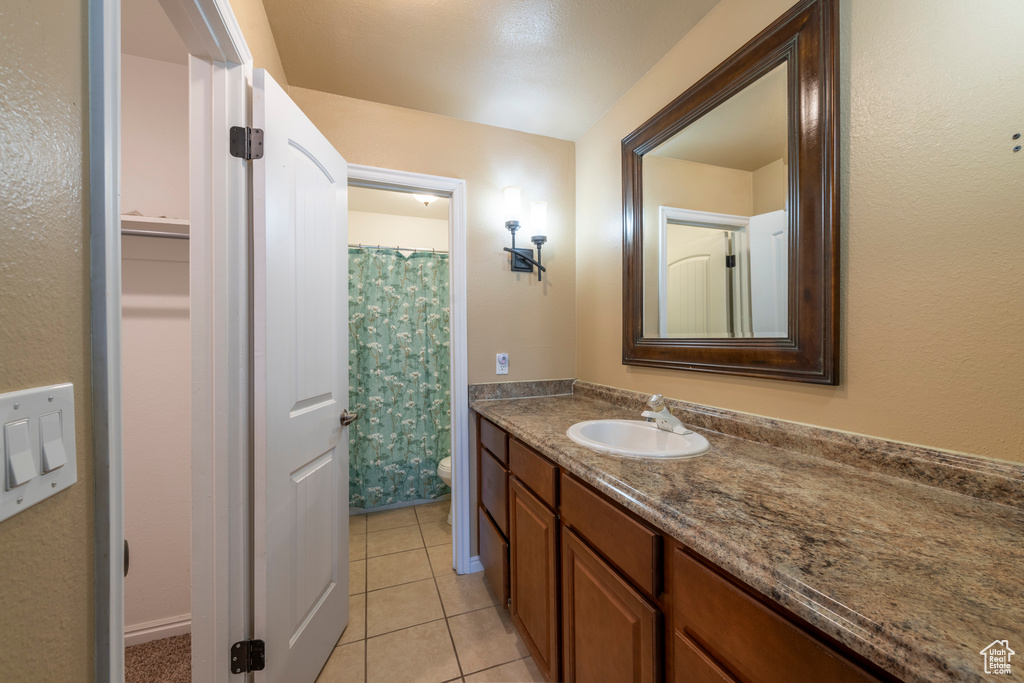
<point>378,246</point>
<point>154,233</point>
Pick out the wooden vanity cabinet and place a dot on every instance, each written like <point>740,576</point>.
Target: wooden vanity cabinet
<point>599,595</point>
<point>533,546</point>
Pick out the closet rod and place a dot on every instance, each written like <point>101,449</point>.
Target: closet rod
<point>154,233</point>
<point>378,246</point>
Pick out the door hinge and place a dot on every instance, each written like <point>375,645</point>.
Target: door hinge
<point>248,655</point>
<point>730,261</point>
<point>246,143</point>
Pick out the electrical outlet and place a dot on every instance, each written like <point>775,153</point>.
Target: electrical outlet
<point>502,368</point>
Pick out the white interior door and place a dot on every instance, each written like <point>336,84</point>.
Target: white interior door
<point>698,305</point>
<point>769,274</point>
<point>300,387</point>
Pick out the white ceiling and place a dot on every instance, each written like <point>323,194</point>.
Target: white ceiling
<point>550,67</point>
<point>746,132</point>
<point>395,203</point>
<point>147,32</point>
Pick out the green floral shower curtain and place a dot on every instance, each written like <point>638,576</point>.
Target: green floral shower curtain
<point>399,379</point>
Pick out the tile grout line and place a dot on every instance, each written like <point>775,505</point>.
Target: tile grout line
<point>444,611</point>
<point>431,621</point>
<point>366,603</point>
<point>366,626</point>
<point>498,666</point>
<point>447,623</point>
<point>426,550</point>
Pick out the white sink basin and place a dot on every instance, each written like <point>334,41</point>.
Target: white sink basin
<point>637,438</point>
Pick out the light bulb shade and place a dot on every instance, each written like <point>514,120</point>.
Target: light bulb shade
<point>539,219</point>
<point>512,203</point>
<point>425,198</point>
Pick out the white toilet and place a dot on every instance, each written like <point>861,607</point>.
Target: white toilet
<point>444,470</point>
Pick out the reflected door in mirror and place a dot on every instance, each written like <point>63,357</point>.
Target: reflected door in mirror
<point>702,188</point>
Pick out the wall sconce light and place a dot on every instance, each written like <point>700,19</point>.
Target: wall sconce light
<point>522,259</point>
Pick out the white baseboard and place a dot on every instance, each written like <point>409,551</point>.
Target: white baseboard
<point>155,630</point>
<point>475,565</point>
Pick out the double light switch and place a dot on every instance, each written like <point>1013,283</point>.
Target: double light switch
<point>38,445</point>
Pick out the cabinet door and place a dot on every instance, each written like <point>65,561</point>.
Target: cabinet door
<point>610,631</point>
<point>493,556</point>
<point>533,537</point>
<point>690,664</point>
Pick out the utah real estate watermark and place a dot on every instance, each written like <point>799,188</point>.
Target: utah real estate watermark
<point>997,657</point>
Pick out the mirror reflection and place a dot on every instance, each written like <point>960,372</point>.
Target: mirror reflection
<point>716,225</point>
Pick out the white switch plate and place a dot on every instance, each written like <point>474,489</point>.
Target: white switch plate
<point>32,405</point>
<point>502,365</point>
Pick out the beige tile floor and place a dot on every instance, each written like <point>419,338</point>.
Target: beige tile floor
<point>412,618</point>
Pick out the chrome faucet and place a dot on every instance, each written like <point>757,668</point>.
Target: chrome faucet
<point>660,415</point>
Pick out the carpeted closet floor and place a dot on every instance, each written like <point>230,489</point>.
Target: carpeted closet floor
<point>168,660</point>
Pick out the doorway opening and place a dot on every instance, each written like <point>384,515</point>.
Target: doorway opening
<point>410,228</point>
<point>155,345</point>
<point>399,350</point>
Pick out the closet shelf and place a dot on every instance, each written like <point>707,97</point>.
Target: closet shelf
<point>142,222</point>
<point>156,227</point>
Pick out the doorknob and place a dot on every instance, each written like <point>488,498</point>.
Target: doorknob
<point>348,417</point>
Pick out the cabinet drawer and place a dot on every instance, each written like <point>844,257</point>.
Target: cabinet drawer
<point>610,632</point>
<point>495,440</point>
<point>494,490</point>
<point>493,556</point>
<point>751,641</point>
<point>534,470</point>
<point>630,545</point>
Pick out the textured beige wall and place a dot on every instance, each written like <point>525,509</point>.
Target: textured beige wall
<point>385,229</point>
<point>46,552</point>
<point>508,312</point>
<point>252,18</point>
<point>932,323</point>
<point>770,184</point>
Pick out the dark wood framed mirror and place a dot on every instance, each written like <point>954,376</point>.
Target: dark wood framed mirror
<point>731,213</point>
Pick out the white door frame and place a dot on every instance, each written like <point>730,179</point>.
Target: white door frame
<point>220,70</point>
<point>455,189</point>
<point>105,326</point>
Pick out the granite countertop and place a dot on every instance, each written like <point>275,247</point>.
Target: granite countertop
<point>916,578</point>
